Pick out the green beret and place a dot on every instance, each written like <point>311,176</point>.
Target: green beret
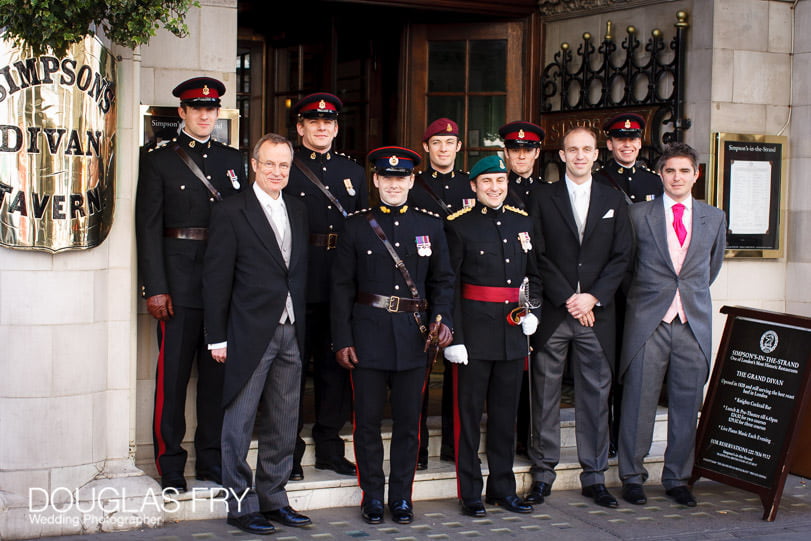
<point>489,164</point>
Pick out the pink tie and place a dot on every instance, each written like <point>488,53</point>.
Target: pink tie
<point>678,225</point>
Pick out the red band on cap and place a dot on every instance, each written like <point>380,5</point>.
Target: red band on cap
<point>318,105</point>
<point>522,135</point>
<point>625,124</point>
<point>205,92</point>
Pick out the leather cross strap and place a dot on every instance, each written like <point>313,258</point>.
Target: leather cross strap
<point>318,184</point>
<point>617,186</point>
<point>196,170</point>
<point>438,200</point>
<point>415,293</point>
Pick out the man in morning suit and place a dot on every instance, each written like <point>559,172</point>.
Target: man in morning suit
<point>491,254</point>
<point>255,292</point>
<point>583,241</point>
<point>179,183</point>
<point>680,246</point>
<point>384,309</point>
<point>337,189</point>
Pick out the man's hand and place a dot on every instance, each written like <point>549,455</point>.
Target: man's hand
<point>160,306</point>
<point>442,332</point>
<point>219,354</point>
<point>587,320</point>
<point>346,357</point>
<point>456,354</point>
<point>580,304</point>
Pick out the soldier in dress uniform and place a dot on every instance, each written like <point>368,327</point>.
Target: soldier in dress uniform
<point>522,147</point>
<point>180,180</point>
<point>442,189</point>
<point>624,140</point>
<point>491,254</point>
<point>383,317</point>
<point>331,186</point>
<point>622,171</point>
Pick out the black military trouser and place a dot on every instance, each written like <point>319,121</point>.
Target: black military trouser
<point>181,340</point>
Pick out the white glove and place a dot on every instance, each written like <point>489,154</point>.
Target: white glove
<point>529,324</point>
<point>456,353</point>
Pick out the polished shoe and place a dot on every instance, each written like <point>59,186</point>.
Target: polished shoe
<point>612,450</point>
<point>511,503</point>
<point>211,474</point>
<point>339,465</point>
<point>474,509</point>
<point>600,495</point>
<point>402,512</point>
<point>372,511</point>
<point>447,457</point>
<point>296,474</point>
<point>288,516</point>
<point>174,481</point>
<point>537,492</point>
<point>253,523</point>
<point>682,495</point>
<point>633,493</point>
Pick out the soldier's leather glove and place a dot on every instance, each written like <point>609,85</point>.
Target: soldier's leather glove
<point>456,354</point>
<point>443,334</point>
<point>346,357</point>
<point>529,324</point>
<point>160,306</point>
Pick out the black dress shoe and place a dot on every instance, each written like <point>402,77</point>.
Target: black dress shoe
<point>253,523</point>
<point>537,492</point>
<point>600,495</point>
<point>447,457</point>
<point>474,509</point>
<point>288,516</point>
<point>682,495</point>
<point>422,461</point>
<point>174,481</point>
<point>612,450</point>
<point>511,503</point>
<point>633,493</point>
<point>372,511</point>
<point>296,474</point>
<point>402,512</point>
<point>211,474</point>
<point>339,465</point>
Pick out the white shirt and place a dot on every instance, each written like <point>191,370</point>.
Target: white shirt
<point>580,197</point>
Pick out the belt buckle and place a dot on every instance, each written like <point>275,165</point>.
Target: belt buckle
<point>332,241</point>
<point>394,304</point>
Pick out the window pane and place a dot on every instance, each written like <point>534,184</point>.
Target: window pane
<point>446,71</point>
<point>487,114</point>
<point>452,107</point>
<point>488,65</point>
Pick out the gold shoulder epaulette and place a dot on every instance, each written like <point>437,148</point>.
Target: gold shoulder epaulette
<point>159,145</point>
<point>428,212</point>
<point>459,212</point>
<point>516,210</point>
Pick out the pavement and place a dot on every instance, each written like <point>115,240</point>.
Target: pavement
<point>723,512</point>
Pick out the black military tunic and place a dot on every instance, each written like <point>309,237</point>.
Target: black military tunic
<point>169,196</point>
<point>441,193</point>
<point>638,182</point>
<point>520,189</point>
<point>389,345</point>
<point>346,180</point>
<point>491,254</point>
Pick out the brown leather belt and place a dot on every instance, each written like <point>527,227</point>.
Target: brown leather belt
<point>186,233</point>
<point>392,304</point>
<point>329,240</point>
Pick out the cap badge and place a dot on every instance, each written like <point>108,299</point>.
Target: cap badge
<point>627,123</point>
<point>206,91</point>
<point>501,164</point>
<point>521,134</point>
<point>449,128</point>
<point>322,104</point>
<point>393,161</point>
<point>423,246</point>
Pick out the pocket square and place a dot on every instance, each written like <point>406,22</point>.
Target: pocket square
<point>609,214</point>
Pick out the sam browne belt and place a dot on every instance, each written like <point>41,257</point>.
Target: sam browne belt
<point>328,240</point>
<point>393,303</point>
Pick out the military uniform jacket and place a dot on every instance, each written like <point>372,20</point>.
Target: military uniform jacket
<point>389,340</point>
<point>520,190</point>
<point>487,249</point>
<point>451,188</point>
<point>169,195</point>
<point>342,176</point>
<point>638,182</point>
<point>598,263</point>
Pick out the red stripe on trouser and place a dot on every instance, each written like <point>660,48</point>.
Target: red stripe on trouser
<point>354,429</point>
<point>419,430</point>
<point>456,431</point>
<point>159,398</point>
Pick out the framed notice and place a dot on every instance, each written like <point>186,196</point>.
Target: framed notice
<point>750,185</point>
<point>162,123</point>
<point>760,387</point>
